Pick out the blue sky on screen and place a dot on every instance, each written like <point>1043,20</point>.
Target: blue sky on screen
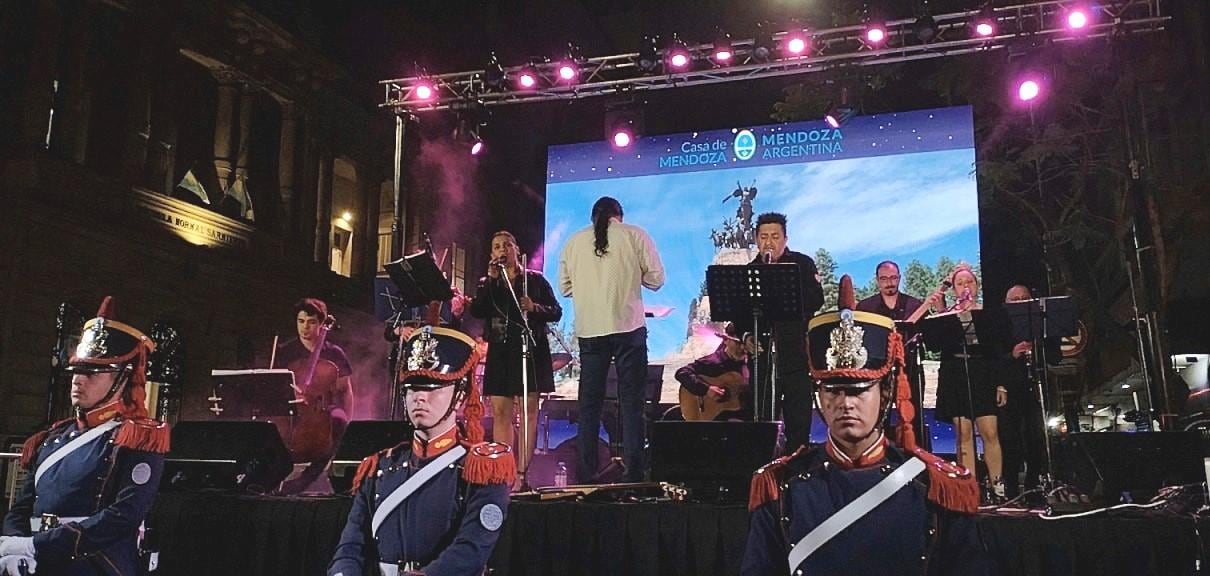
<point>901,194</point>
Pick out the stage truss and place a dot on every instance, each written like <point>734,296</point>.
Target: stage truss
<point>1027,24</point>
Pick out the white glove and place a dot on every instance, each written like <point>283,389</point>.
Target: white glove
<point>17,546</point>
<point>11,565</point>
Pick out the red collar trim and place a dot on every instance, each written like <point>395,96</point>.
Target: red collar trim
<point>872,455</point>
<point>100,415</point>
<point>436,446</point>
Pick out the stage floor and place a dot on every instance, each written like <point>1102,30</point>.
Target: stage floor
<point>212,533</point>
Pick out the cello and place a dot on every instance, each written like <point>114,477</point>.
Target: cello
<point>315,386</point>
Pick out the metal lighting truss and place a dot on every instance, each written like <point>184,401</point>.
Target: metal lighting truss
<point>827,49</point>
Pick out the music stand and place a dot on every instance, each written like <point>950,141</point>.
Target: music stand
<point>419,282</point>
<point>755,291</point>
<point>1038,320</point>
<point>253,394</point>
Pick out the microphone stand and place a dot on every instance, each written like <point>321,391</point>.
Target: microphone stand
<point>526,341</point>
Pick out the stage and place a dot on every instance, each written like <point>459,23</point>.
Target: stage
<point>214,533</point>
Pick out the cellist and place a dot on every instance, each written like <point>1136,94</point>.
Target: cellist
<point>333,396</point>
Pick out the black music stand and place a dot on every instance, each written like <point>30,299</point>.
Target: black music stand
<point>772,292</point>
<point>1037,321</point>
<point>252,394</point>
<point>419,282</point>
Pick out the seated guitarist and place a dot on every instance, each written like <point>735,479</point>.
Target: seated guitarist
<point>715,386</point>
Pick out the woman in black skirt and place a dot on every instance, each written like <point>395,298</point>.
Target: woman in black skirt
<point>503,331</point>
<point>980,358</point>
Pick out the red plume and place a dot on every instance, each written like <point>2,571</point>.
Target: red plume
<point>107,309</point>
<point>847,299</point>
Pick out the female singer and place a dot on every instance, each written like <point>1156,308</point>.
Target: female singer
<point>980,361</point>
<point>503,332</point>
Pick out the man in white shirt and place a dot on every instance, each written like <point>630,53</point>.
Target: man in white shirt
<point>603,269</point>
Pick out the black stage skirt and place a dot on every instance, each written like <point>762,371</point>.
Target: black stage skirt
<point>502,375</point>
<point>952,398</point>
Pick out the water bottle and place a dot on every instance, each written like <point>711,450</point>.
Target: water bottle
<point>561,474</point>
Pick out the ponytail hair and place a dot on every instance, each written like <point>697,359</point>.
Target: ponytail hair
<point>604,209</point>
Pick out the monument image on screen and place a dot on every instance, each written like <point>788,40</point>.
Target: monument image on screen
<point>897,186</point>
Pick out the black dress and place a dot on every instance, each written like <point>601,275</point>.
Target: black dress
<point>983,358</point>
<point>502,331</point>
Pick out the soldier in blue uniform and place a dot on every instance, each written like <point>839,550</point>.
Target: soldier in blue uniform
<point>91,479</point>
<point>434,505</point>
<point>861,503</point>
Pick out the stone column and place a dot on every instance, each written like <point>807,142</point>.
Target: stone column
<point>323,209</point>
<point>365,240</point>
<point>285,168</point>
<point>224,134</point>
<point>243,151</point>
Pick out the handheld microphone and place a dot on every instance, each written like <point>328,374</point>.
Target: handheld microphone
<point>768,257</point>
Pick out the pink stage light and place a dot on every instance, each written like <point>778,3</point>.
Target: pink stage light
<point>567,72</point>
<point>527,80</point>
<point>423,92</point>
<point>621,139</point>
<point>985,29</point>
<point>476,148</point>
<point>722,56</point>
<point>678,59</point>
<point>875,34</point>
<point>1077,19</point>
<point>1028,90</point>
<point>796,45</point>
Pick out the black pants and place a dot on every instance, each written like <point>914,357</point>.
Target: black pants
<point>628,352</point>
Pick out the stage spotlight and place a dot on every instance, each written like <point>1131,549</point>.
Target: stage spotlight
<point>1029,89</point>
<point>424,91</point>
<point>527,79</point>
<point>649,55</point>
<point>875,33</point>
<point>925,27</point>
<point>985,22</point>
<point>762,44</point>
<point>678,55</point>
<point>838,115</point>
<point>623,124</point>
<point>476,146</point>
<point>722,53</point>
<point>494,77</point>
<point>1077,18</point>
<point>622,137</point>
<point>569,68</point>
<point>795,42</point>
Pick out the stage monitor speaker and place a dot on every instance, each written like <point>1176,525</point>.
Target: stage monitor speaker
<point>715,460</point>
<point>1111,465</point>
<point>361,439</point>
<point>246,456</point>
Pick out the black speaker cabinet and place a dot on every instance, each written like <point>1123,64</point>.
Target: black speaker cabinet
<point>715,460</point>
<point>1105,465</point>
<point>361,439</point>
<point>245,456</point>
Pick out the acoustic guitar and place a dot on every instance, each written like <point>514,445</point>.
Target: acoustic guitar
<point>708,407</point>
